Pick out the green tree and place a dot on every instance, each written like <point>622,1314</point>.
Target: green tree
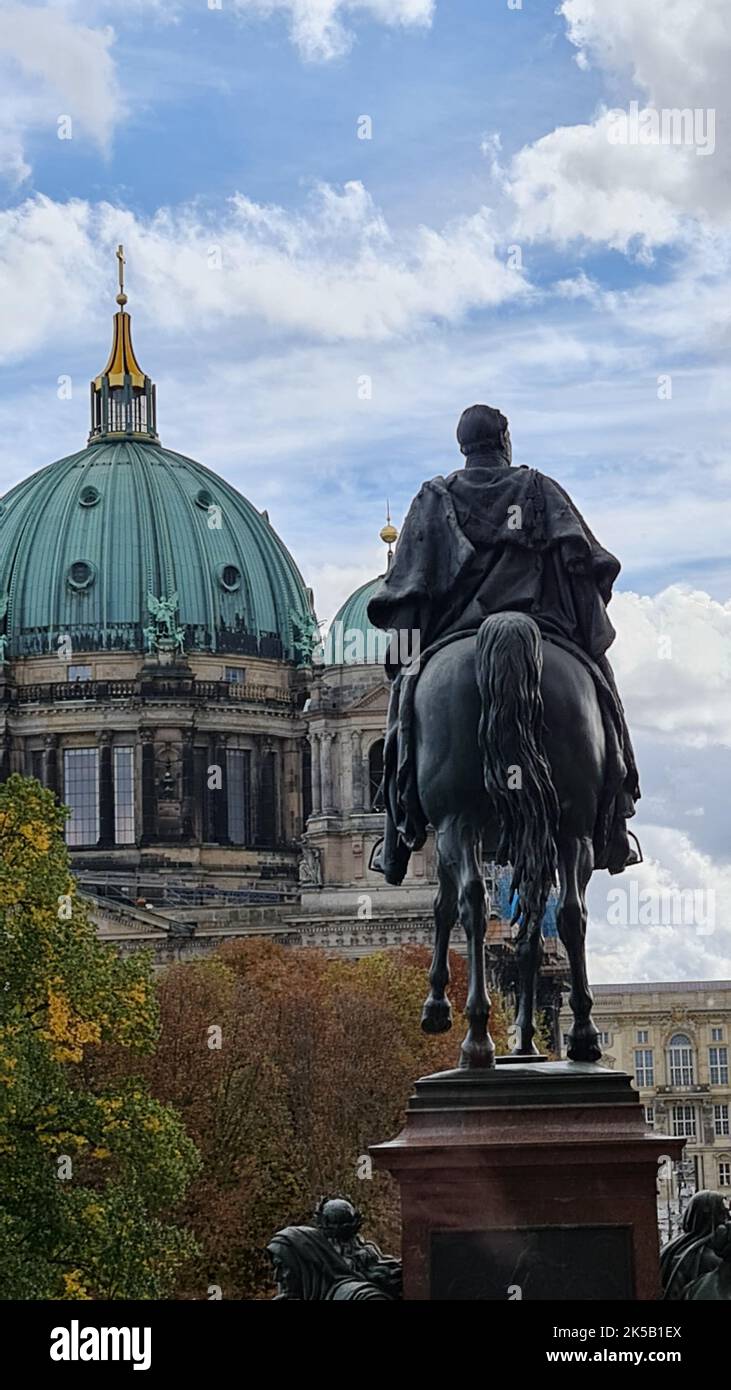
<point>90,1173</point>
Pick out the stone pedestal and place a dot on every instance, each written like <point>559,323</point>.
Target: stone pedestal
<point>534,1181</point>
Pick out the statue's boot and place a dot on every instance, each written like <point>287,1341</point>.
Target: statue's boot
<point>390,856</point>
<point>622,855</point>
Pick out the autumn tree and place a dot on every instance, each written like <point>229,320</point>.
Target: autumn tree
<point>89,1171</point>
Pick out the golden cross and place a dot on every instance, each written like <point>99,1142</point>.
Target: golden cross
<point>122,263</point>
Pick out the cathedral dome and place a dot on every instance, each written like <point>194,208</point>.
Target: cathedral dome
<point>351,639</point>
<point>85,541</point>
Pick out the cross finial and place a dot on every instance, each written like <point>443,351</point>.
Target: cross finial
<point>121,297</point>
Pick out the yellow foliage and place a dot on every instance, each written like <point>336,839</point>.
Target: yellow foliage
<point>67,1033</point>
<point>73,1287</point>
<point>37,835</point>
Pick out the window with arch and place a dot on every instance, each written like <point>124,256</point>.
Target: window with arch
<point>375,772</point>
<point>724,1172</point>
<point>680,1060</point>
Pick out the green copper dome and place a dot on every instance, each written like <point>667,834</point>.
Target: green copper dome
<point>84,541</point>
<point>93,544</point>
<point>352,639</point>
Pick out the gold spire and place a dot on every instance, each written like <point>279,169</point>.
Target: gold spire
<point>122,396</point>
<point>388,533</point>
<point>122,361</point>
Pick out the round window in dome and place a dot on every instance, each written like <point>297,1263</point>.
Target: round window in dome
<point>89,497</point>
<point>203,499</point>
<point>80,575</point>
<point>229,577</point>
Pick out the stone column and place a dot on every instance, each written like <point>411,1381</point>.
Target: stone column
<point>315,772</point>
<point>50,763</point>
<point>366,765</point>
<point>220,795</point>
<point>188,788</point>
<point>357,766</point>
<point>326,772</point>
<point>5,749</point>
<point>149,790</point>
<point>106,791</point>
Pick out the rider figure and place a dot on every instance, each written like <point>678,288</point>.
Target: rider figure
<point>491,538</point>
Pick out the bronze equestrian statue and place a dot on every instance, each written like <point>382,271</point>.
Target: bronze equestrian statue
<point>505,731</point>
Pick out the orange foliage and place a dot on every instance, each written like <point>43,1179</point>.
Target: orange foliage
<point>316,1061</point>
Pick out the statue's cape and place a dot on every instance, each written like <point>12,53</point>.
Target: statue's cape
<point>488,540</point>
<point>491,540</point>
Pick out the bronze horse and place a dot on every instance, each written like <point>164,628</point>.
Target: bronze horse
<point>517,779</point>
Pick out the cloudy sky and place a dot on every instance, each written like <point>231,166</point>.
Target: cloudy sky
<point>491,240</point>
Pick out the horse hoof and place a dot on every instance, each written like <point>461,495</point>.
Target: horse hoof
<point>436,1016</point>
<point>477,1056</point>
<point>583,1044</point>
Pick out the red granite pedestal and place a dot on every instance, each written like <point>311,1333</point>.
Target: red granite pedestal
<point>535,1180</point>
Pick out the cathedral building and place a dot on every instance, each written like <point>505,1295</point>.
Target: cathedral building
<point>155,642</point>
<point>161,672</point>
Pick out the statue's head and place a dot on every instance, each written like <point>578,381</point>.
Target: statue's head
<point>338,1219</point>
<point>704,1212</point>
<point>483,431</point>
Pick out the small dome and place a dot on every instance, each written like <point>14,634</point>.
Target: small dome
<point>352,640</point>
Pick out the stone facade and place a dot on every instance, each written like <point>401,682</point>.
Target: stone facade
<point>674,1039</point>
<point>179,725</point>
<point>346,718</point>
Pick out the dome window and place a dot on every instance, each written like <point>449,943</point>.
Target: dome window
<point>229,577</point>
<point>80,575</point>
<point>203,499</point>
<point>89,497</point>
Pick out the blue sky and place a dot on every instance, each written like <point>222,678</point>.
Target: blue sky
<point>233,131</point>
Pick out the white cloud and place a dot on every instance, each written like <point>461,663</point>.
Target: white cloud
<point>664,936</point>
<point>575,183</point>
<point>672,658</point>
<point>334,270</point>
<point>319,27</point>
<point>51,66</point>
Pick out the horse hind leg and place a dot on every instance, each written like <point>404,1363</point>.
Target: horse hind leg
<point>528,955</point>
<point>576,863</point>
<point>436,1015</point>
<point>478,1048</point>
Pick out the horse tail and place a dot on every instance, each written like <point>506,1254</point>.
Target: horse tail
<point>509,662</point>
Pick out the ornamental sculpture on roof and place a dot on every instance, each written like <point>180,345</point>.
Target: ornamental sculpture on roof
<point>164,635</point>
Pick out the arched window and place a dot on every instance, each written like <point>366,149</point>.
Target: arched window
<point>680,1060</point>
<point>375,771</point>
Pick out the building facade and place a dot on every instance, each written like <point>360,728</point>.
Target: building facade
<point>674,1039</point>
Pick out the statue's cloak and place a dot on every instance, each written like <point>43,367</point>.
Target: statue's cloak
<point>492,540</point>
<point>486,540</point>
